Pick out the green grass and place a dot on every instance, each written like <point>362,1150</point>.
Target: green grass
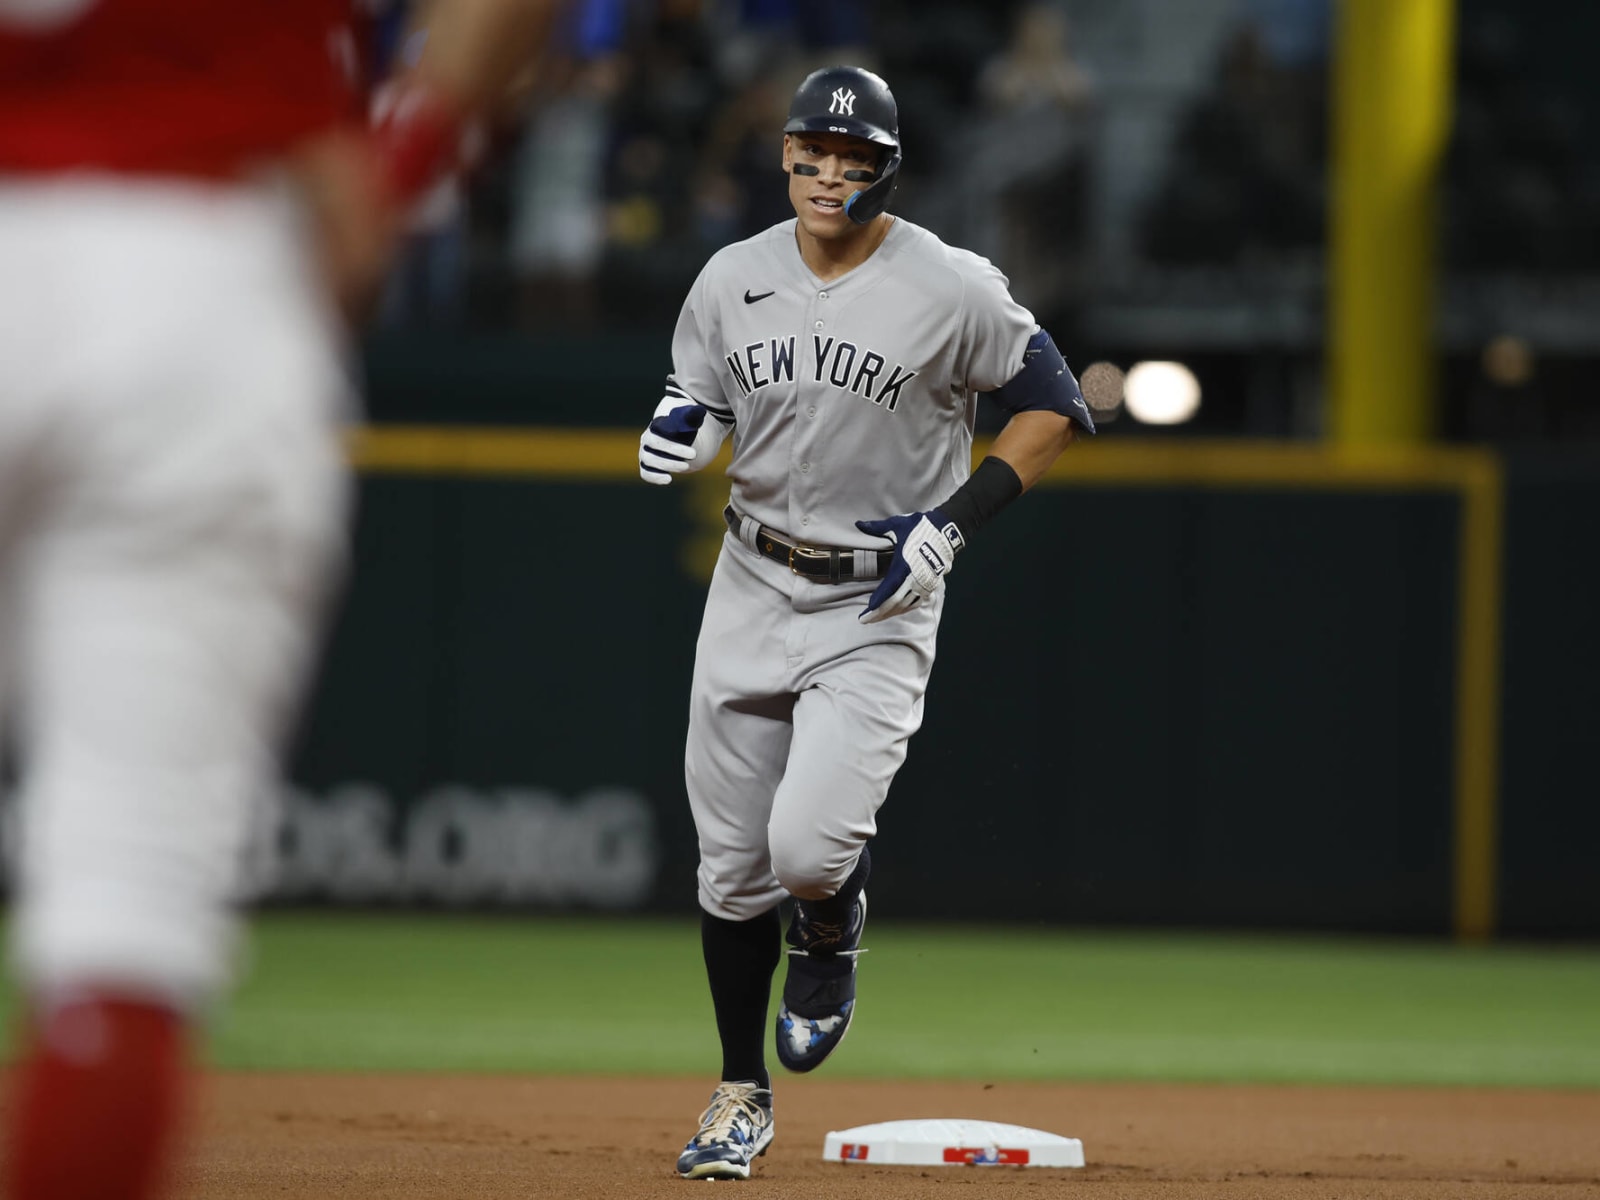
<point>330,991</point>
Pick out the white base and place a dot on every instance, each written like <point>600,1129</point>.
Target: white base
<point>951,1142</point>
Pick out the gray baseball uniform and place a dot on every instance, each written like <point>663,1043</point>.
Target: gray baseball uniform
<point>850,399</point>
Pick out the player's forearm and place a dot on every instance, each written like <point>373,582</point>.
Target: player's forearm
<point>1031,442</point>
<point>470,52</point>
<point>1022,453</point>
<point>475,48</point>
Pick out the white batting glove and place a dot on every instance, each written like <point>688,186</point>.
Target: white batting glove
<point>926,544</point>
<point>679,438</point>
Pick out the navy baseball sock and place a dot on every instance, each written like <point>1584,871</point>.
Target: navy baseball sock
<point>835,910</point>
<point>740,959</point>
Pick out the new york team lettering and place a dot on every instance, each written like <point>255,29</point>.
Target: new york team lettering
<point>762,363</point>
<point>838,359</point>
<point>842,364</point>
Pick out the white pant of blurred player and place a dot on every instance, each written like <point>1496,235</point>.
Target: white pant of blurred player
<point>172,510</point>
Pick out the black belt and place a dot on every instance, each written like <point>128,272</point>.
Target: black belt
<point>823,564</point>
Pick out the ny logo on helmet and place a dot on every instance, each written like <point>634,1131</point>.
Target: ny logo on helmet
<point>844,101</point>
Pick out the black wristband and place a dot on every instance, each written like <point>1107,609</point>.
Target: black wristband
<point>992,486</point>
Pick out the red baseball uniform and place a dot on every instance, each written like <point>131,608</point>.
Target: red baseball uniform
<point>172,506</point>
<point>193,87</point>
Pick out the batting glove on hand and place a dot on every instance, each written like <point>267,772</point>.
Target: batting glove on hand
<point>925,550</point>
<point>678,439</point>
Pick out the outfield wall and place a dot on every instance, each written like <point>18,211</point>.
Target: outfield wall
<point>1182,683</point>
<point>1188,685</point>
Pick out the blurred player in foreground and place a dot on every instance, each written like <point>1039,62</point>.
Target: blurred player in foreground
<point>185,206</point>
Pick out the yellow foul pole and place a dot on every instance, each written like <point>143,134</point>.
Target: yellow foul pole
<point>1391,104</point>
<point>1392,84</point>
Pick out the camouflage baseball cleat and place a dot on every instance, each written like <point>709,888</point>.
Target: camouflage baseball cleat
<point>735,1130</point>
<point>819,994</point>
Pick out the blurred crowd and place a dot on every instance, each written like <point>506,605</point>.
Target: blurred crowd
<point>1245,178</point>
<point>652,138</point>
<point>1122,157</point>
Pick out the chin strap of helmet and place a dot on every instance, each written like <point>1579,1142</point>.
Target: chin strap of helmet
<point>862,206</point>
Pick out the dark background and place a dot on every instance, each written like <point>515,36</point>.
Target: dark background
<point>1173,706</point>
<point>1226,707</point>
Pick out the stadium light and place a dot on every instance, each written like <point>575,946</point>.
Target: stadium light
<point>1161,393</point>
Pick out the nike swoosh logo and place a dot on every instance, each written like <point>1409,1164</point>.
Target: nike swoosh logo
<point>749,299</point>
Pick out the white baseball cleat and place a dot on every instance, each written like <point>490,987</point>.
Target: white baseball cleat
<point>735,1130</point>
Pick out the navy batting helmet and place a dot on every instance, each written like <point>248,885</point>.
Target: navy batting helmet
<point>857,102</point>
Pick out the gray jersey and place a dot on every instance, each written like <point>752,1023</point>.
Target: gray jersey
<point>852,398</point>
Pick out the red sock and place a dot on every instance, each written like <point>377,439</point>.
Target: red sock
<point>98,1101</point>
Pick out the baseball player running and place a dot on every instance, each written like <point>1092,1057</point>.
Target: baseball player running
<point>181,202</point>
<point>844,351</point>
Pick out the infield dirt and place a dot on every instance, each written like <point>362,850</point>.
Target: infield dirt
<point>362,1137</point>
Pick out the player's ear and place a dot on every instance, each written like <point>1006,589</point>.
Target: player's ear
<point>788,153</point>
